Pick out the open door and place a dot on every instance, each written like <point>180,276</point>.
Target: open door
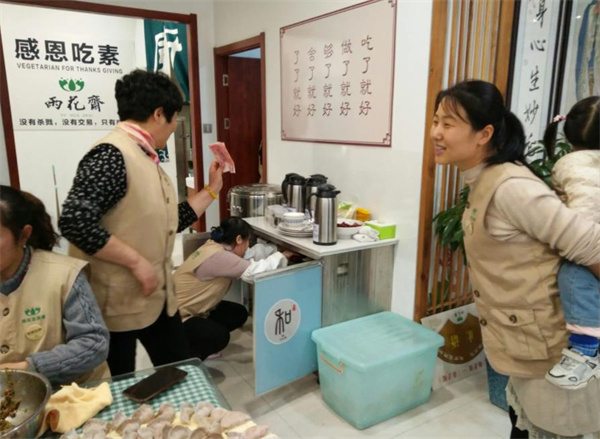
<point>241,115</point>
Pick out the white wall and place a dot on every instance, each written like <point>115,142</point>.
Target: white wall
<point>385,180</point>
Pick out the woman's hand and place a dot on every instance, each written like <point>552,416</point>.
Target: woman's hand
<point>145,273</point>
<point>21,365</point>
<point>215,177</point>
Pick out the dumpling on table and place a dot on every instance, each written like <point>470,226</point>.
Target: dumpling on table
<point>179,432</point>
<point>256,432</point>
<point>233,419</point>
<point>143,414</point>
<point>166,412</point>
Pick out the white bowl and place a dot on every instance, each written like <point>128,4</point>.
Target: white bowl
<point>294,218</point>
<point>348,232</point>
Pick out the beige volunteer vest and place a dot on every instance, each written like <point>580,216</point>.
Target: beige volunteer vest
<point>514,287</point>
<point>195,296</point>
<point>145,219</point>
<point>31,319</point>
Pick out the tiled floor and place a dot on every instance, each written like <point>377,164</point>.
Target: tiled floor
<point>461,410</point>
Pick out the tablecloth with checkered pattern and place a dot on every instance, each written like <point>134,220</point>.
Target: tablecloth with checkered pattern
<point>194,388</point>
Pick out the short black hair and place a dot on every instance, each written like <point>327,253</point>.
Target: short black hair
<point>140,93</point>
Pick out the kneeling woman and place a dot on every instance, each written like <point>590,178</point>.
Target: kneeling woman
<point>50,323</point>
<point>204,278</point>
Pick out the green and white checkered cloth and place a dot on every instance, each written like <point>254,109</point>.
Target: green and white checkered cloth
<point>194,388</point>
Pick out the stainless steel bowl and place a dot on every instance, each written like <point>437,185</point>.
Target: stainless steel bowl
<point>33,390</point>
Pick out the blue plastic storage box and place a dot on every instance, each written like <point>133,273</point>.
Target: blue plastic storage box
<point>376,367</point>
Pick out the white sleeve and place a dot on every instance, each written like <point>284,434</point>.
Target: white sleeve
<point>276,260</point>
<point>260,251</point>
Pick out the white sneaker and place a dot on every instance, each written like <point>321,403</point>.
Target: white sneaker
<point>574,370</point>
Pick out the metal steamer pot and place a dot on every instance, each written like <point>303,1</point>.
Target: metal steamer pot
<point>250,200</point>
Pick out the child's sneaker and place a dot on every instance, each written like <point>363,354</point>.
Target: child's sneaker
<point>574,370</point>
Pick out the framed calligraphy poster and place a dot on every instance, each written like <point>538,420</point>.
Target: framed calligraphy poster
<point>535,66</point>
<point>337,73</point>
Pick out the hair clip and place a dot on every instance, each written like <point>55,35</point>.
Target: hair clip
<point>559,118</point>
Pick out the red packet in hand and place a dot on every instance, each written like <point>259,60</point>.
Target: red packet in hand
<point>223,157</point>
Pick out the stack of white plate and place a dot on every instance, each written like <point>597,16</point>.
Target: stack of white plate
<point>296,232</point>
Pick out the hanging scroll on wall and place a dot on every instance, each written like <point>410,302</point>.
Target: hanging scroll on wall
<point>337,74</point>
<point>535,66</point>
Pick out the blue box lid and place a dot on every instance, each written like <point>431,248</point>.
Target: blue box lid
<point>375,340</point>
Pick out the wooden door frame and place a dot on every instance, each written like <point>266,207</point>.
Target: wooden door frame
<point>436,76</point>
<point>190,20</point>
<point>220,54</point>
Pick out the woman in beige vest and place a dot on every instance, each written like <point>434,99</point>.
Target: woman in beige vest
<point>516,230</point>
<point>122,215</point>
<point>50,321</point>
<point>204,278</point>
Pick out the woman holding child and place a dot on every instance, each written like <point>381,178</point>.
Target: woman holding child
<point>516,230</point>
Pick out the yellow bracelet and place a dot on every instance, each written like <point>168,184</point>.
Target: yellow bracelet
<point>210,191</point>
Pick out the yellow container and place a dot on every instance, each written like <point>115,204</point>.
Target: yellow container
<point>363,214</point>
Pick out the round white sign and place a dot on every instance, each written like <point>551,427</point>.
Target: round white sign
<point>282,321</point>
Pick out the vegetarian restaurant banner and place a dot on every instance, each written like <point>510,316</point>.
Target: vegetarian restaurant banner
<point>337,73</point>
<point>63,81</point>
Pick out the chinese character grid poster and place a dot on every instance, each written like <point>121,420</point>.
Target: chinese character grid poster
<point>337,76</point>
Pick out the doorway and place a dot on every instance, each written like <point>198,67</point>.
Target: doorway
<point>241,112</point>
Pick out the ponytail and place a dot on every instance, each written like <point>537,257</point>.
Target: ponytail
<point>18,209</point>
<point>550,138</point>
<point>508,141</point>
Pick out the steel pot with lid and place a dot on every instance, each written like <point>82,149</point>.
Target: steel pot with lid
<point>250,200</point>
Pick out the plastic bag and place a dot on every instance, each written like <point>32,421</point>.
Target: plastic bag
<point>346,209</point>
